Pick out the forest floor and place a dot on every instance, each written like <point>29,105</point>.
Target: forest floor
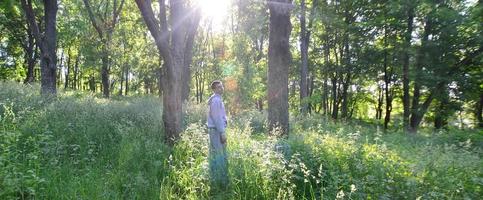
<point>78,146</point>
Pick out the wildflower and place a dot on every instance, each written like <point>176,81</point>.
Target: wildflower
<point>353,188</point>
<point>340,194</point>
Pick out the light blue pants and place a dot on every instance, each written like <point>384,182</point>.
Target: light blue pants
<point>217,160</point>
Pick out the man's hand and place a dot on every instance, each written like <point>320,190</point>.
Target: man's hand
<point>223,138</point>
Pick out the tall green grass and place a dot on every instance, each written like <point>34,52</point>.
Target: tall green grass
<point>78,146</point>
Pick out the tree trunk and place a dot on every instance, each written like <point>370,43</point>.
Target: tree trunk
<point>416,112</point>
<point>105,32</point>
<point>443,110</point>
<point>346,61</point>
<point>311,86</point>
<point>174,47</point>
<point>105,72</point>
<point>47,43</point>
<point>188,53</point>
<point>325,96</point>
<point>335,105</point>
<point>49,56</point>
<point>61,66</point>
<point>279,60</point>
<point>92,84</point>
<point>405,70</point>
<point>440,121</point>
<point>75,84</point>
<point>126,76</point>
<point>304,52</point>
<point>304,46</point>
<point>387,83</point>
<point>69,64</point>
<point>380,99</point>
<point>479,111</point>
<point>345,94</point>
<point>30,55</point>
<point>197,86</point>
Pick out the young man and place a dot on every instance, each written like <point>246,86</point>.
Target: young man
<point>216,122</point>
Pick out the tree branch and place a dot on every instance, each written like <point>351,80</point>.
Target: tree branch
<point>159,36</point>
<point>93,19</point>
<point>30,15</point>
<point>116,13</point>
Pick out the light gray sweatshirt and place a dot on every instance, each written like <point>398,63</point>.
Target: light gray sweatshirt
<point>216,114</point>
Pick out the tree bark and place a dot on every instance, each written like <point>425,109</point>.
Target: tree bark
<point>405,70</point>
<point>304,49</point>
<point>46,42</point>
<point>279,60</point>
<point>174,47</point>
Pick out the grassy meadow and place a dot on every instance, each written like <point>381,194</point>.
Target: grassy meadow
<point>79,146</point>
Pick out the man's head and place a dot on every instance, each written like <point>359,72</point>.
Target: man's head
<point>217,87</point>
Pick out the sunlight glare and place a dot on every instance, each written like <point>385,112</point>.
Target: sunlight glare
<point>215,10</point>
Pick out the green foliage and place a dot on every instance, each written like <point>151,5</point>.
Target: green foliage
<point>93,147</point>
<point>323,160</point>
<point>78,146</point>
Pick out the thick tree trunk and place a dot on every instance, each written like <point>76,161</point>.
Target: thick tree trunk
<point>47,43</point>
<point>279,60</point>
<point>174,46</point>
<point>105,73</point>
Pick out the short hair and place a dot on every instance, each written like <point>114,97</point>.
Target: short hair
<point>214,84</point>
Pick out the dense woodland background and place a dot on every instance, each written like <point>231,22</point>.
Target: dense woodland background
<point>341,99</point>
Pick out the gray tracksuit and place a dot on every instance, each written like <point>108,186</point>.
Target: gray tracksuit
<point>216,122</point>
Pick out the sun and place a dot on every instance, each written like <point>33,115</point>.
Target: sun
<point>215,10</point>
